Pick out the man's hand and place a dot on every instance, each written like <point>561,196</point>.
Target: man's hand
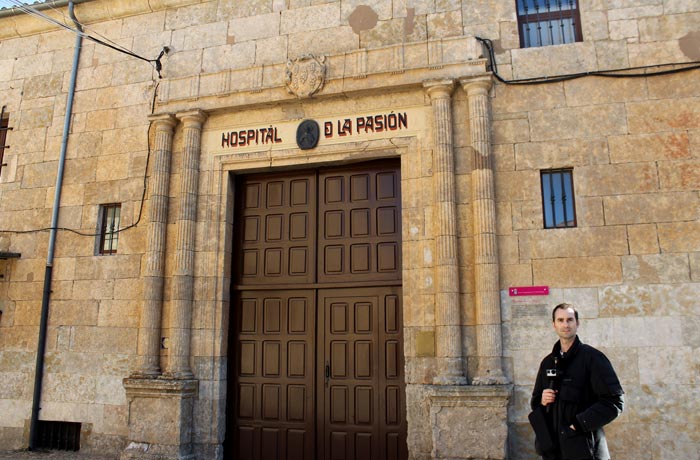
<point>548,396</point>
<point>572,427</point>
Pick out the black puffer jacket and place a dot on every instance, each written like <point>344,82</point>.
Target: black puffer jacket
<point>589,397</point>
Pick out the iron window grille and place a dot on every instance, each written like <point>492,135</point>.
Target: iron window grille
<point>4,128</point>
<point>109,228</point>
<point>548,22</point>
<point>56,435</point>
<point>558,198</point>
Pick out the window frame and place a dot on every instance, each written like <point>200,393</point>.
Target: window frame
<point>105,235</point>
<point>4,128</point>
<point>573,13</point>
<point>558,203</point>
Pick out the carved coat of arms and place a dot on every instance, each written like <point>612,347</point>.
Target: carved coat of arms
<point>306,75</point>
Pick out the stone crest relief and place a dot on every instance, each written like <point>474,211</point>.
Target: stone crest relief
<point>306,75</point>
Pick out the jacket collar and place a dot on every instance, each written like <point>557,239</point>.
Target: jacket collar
<point>566,358</point>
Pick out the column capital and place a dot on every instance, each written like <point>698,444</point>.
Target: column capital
<point>164,121</point>
<point>478,85</point>
<point>437,89</point>
<point>192,118</point>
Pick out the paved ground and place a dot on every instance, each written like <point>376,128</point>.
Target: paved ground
<point>51,455</point>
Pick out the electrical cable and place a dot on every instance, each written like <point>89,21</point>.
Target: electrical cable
<point>612,73</point>
<point>158,66</point>
<point>34,12</point>
<point>82,26</point>
<point>143,194</point>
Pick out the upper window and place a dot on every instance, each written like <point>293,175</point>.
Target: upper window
<point>4,127</point>
<point>109,228</point>
<point>548,22</point>
<point>558,198</point>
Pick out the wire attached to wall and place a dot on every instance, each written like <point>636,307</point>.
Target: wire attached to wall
<point>143,194</point>
<point>612,73</point>
<point>158,67</point>
<point>28,9</point>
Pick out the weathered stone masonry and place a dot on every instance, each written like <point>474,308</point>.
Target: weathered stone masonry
<point>143,333</point>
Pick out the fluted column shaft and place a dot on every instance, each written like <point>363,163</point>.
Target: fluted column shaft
<point>488,305</point>
<point>448,328</point>
<point>149,322</point>
<point>183,276</point>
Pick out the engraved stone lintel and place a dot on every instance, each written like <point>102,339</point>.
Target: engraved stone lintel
<point>306,75</point>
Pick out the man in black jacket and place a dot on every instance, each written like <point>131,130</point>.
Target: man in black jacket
<point>576,393</point>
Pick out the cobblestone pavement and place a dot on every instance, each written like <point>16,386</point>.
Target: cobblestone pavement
<point>52,455</point>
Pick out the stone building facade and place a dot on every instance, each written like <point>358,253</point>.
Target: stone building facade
<point>169,344</point>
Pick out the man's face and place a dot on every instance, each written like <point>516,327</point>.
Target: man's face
<point>565,323</point>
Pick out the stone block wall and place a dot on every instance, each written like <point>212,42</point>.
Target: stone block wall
<point>629,263</point>
<point>632,264</point>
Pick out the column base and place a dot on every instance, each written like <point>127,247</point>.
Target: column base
<point>178,375</point>
<point>146,374</point>
<point>469,422</point>
<point>490,380</point>
<point>160,419</point>
<point>450,372</point>
<point>489,371</point>
<point>449,380</point>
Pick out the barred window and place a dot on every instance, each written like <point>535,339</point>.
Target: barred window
<point>4,127</point>
<point>548,22</point>
<point>558,198</point>
<point>109,226</point>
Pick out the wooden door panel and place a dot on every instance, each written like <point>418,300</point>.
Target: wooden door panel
<point>318,373</point>
<point>361,395</point>
<point>276,241</point>
<point>274,375</point>
<point>359,224</point>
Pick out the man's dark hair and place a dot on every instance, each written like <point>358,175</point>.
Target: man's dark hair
<point>564,306</point>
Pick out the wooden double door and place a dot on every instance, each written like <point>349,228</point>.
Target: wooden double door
<point>316,344</point>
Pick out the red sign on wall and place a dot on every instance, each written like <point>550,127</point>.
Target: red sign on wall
<point>528,290</point>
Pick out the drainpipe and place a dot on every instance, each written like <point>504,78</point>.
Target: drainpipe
<point>43,325</point>
<point>47,4</point>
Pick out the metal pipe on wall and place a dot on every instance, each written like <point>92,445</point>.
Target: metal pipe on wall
<point>48,274</point>
<point>14,11</point>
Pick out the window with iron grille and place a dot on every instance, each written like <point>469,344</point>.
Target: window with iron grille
<point>548,22</point>
<point>109,226</point>
<point>58,435</point>
<point>4,127</point>
<point>558,198</point>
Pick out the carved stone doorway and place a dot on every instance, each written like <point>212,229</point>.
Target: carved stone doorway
<point>316,367</point>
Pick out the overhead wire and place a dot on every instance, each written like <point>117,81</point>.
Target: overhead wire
<point>68,20</point>
<point>29,9</point>
<point>158,67</point>
<point>611,73</point>
<point>104,41</point>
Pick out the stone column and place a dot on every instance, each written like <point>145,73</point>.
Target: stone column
<point>448,328</point>
<point>149,324</point>
<point>183,278</point>
<point>487,296</point>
